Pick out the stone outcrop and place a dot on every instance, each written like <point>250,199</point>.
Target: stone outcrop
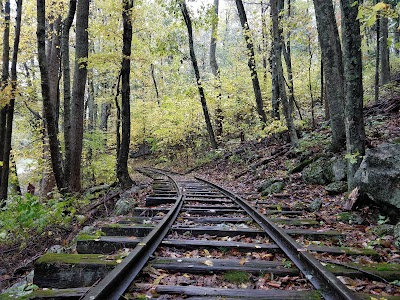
<point>378,177</point>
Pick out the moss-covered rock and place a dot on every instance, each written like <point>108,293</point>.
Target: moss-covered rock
<point>337,187</point>
<point>396,233</point>
<point>318,172</point>
<point>315,205</point>
<point>267,183</point>
<point>383,229</point>
<point>274,188</point>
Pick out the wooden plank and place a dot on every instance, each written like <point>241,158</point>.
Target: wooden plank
<point>105,244</point>
<point>154,201</point>
<point>233,231</point>
<point>53,294</point>
<point>127,230</point>
<point>238,293</point>
<point>211,266</point>
<point>288,221</point>
<point>63,271</point>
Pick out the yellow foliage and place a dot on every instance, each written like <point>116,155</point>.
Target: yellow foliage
<point>5,95</point>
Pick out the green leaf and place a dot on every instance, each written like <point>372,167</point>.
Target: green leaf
<point>371,21</point>
<point>379,6</point>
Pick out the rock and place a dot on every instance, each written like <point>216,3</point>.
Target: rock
<point>383,229</point>
<point>274,188</point>
<point>396,233</point>
<point>378,176</point>
<point>56,249</point>
<point>315,205</point>
<point>126,202</point>
<point>336,188</point>
<point>265,184</point>
<point>124,206</point>
<point>339,169</point>
<point>318,172</point>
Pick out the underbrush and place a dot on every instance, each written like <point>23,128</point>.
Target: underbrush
<point>28,215</point>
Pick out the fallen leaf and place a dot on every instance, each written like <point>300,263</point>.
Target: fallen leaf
<point>208,263</point>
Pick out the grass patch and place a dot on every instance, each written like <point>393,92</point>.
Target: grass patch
<point>236,277</point>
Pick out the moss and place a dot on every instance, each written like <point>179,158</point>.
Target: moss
<point>390,272</point>
<point>357,251</point>
<point>57,258</point>
<point>85,237</point>
<point>296,222</point>
<point>236,277</point>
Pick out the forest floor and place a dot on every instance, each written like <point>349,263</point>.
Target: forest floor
<point>242,168</point>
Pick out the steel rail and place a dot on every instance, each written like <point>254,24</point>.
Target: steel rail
<point>118,280</point>
<point>330,287</point>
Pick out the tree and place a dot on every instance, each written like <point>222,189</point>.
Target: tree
<point>49,110</point>
<point>277,59</point>
<point>333,69</point>
<point>66,26</point>
<point>352,59</point>
<point>78,93</point>
<point>215,70</point>
<point>384,48</point>
<point>251,60</point>
<point>10,107</point>
<point>123,151</point>
<point>4,84</point>
<point>188,23</point>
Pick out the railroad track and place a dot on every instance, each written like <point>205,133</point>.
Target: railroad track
<point>193,237</point>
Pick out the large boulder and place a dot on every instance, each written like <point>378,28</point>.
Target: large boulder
<point>378,176</point>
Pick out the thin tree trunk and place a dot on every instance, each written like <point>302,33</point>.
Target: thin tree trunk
<point>288,59</point>
<point>4,81</point>
<point>10,107</point>
<point>384,49</point>
<point>277,45</point>
<point>215,70</point>
<point>55,151</point>
<point>188,22</point>
<point>310,84</point>
<point>104,116</point>
<point>122,160</point>
<point>352,59</point>
<point>397,37</point>
<point>153,76</point>
<point>67,23</point>
<point>78,93</point>
<point>377,57</point>
<point>251,61</point>
<point>264,40</point>
<point>333,69</point>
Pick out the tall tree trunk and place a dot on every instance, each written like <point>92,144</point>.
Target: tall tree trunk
<point>352,59</point>
<point>122,161</point>
<point>264,34</point>
<point>333,69</point>
<point>78,93</point>
<point>215,70</point>
<point>4,80</point>
<point>377,57</point>
<point>49,111</point>
<point>397,37</point>
<point>384,49</point>
<point>287,54</point>
<point>251,61</point>
<point>188,22</point>
<point>10,107</point>
<point>67,23</point>
<point>277,46</point>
